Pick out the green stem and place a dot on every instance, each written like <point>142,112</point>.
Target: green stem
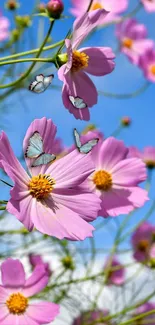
<point>138,317</point>
<point>125,96</point>
<point>27,60</point>
<point>46,48</point>
<point>1,180</point>
<point>25,75</point>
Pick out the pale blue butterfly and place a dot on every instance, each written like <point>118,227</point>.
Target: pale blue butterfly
<point>87,147</point>
<point>35,150</point>
<point>77,102</point>
<point>41,83</point>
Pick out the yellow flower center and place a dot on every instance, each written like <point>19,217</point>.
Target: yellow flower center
<point>102,180</point>
<point>17,303</point>
<point>95,6</point>
<point>143,245</point>
<point>41,186</point>
<point>80,61</point>
<point>150,163</point>
<point>127,42</point>
<point>152,69</point>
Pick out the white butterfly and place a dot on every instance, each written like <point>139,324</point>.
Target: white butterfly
<point>41,83</point>
<point>87,147</point>
<point>77,102</point>
<point>35,150</point>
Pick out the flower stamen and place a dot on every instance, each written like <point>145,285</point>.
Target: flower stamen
<point>41,186</point>
<point>103,180</point>
<point>17,303</point>
<point>127,42</point>
<point>143,245</point>
<point>80,61</point>
<point>96,5</point>
<point>152,69</point>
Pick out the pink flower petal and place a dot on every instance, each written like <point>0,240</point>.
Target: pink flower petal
<point>100,60</point>
<point>13,274</point>
<point>86,205</point>
<point>61,222</point>
<point>82,114</point>
<point>22,209</point>
<point>3,295</point>
<point>129,172</point>
<point>43,312</point>
<point>4,312</point>
<point>47,130</point>
<point>71,170</point>
<point>122,201</point>
<point>18,320</point>
<point>109,153</point>
<point>10,163</point>
<point>36,282</point>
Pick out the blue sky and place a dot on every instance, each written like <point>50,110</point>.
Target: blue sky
<point>24,107</point>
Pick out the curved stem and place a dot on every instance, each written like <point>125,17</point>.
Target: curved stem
<point>32,65</point>
<point>27,60</point>
<point>46,48</point>
<point>125,96</point>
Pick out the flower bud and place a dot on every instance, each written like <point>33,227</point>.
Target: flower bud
<point>41,7</point>
<point>23,21</point>
<point>12,5</point>
<point>68,263</point>
<point>125,121</point>
<point>55,8</point>
<point>15,34</point>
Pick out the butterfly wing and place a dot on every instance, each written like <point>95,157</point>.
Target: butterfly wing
<point>77,102</point>
<point>44,159</point>
<point>72,100</point>
<point>40,78</point>
<point>77,139</point>
<point>37,87</point>
<point>35,147</point>
<point>48,80</point>
<point>87,147</point>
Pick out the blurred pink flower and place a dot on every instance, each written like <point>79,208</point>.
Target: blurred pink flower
<point>133,39</point>
<point>142,240</point>
<point>149,5</point>
<point>147,155</point>
<point>4,28</point>
<point>113,6</point>
<point>116,178</point>
<point>116,277</point>
<point>15,306</point>
<point>89,316</point>
<point>147,64</point>
<point>148,306</point>
<point>48,198</point>
<point>97,61</point>
<point>37,260</point>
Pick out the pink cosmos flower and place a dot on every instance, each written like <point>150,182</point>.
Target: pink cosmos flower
<point>97,61</point>
<point>48,198</point>
<point>147,64</point>
<point>116,277</point>
<point>113,6</point>
<point>89,316</point>
<point>133,39</point>
<point>149,5</point>
<point>15,306</point>
<point>142,240</point>
<point>4,26</point>
<point>116,178</point>
<point>147,155</point>
<point>148,306</point>
<point>37,260</point>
